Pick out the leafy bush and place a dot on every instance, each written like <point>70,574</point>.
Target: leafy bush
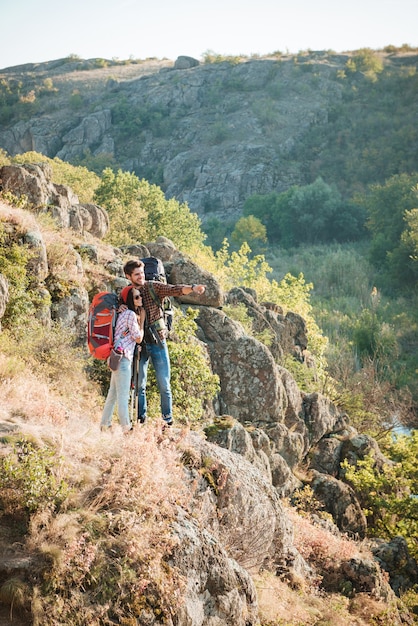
<point>192,382</point>
<point>251,230</point>
<point>388,494</point>
<point>314,213</point>
<point>14,259</point>
<point>29,480</point>
<point>139,211</point>
<point>391,221</point>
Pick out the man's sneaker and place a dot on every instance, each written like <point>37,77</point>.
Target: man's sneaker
<point>105,429</point>
<point>168,420</point>
<point>142,419</point>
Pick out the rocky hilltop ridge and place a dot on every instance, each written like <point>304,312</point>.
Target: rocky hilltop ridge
<point>209,134</point>
<point>264,430</point>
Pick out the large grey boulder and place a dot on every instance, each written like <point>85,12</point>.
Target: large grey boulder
<point>340,500</point>
<point>241,507</point>
<point>185,271</point>
<point>218,590</point>
<point>71,311</point>
<point>251,386</point>
<point>89,218</point>
<point>33,180</point>
<point>322,417</point>
<point>184,62</point>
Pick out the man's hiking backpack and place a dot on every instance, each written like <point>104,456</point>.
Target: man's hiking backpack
<point>154,270</point>
<point>101,324</point>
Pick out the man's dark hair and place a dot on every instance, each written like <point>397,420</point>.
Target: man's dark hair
<point>130,266</point>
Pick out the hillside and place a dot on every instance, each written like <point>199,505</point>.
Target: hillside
<point>216,133</point>
<point>240,515</point>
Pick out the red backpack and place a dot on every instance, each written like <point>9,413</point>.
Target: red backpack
<point>101,324</point>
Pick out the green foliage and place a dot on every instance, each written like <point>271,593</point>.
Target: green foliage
<point>29,479</point>
<point>372,349</point>
<point>216,231</point>
<point>409,236</point>
<point>388,494</point>
<point>311,214</point>
<point>14,259</point>
<point>131,120</point>
<point>217,133</point>
<point>365,60</point>
<point>192,382</point>
<point>76,100</point>
<point>139,211</point>
<point>305,501</point>
<point>393,226</point>
<point>374,339</point>
<point>18,100</point>
<point>251,230</point>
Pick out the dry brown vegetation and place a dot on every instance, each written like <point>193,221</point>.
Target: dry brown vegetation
<point>114,526</point>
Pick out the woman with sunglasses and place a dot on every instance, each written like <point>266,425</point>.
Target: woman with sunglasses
<point>129,331</point>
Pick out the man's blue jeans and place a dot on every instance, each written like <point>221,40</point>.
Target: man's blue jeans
<point>161,361</point>
<point>119,392</point>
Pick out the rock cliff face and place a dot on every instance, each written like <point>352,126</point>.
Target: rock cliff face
<point>264,430</point>
<point>210,135</point>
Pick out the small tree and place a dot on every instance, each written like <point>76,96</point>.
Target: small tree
<point>251,230</point>
<point>138,211</point>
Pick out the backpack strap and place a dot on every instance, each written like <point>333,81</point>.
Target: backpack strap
<point>154,296</point>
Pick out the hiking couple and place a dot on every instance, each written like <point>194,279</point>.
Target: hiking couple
<point>135,310</point>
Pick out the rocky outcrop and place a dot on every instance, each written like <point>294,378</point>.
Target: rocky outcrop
<point>34,182</point>
<point>222,593</point>
<point>185,63</point>
<point>241,507</point>
<point>214,131</point>
<point>289,333</point>
<point>340,500</point>
<point>91,134</point>
<point>394,557</point>
<point>265,431</point>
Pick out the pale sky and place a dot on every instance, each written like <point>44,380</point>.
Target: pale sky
<point>33,31</point>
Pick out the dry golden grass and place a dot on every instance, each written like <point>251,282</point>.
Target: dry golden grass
<point>319,546</point>
<point>22,219</point>
<point>116,523</point>
<point>280,605</point>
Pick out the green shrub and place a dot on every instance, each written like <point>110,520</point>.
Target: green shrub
<point>29,479</point>
<point>388,494</point>
<point>192,382</point>
<point>14,260</point>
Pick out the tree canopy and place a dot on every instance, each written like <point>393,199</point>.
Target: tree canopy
<point>314,213</point>
<point>139,211</point>
<point>392,221</point>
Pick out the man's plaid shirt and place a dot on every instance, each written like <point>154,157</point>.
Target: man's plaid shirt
<point>153,311</point>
